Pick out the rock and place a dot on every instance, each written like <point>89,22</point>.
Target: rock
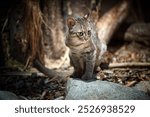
<point>6,95</point>
<point>143,86</point>
<point>101,90</point>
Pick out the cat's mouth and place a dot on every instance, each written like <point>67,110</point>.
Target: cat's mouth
<point>79,43</point>
<point>75,44</point>
<point>85,40</point>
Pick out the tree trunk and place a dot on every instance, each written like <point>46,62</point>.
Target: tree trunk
<point>17,42</point>
<point>53,35</point>
<point>33,32</point>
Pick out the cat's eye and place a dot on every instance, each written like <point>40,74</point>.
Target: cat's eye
<point>80,34</point>
<point>89,33</point>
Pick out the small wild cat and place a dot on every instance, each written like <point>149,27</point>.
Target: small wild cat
<point>85,47</point>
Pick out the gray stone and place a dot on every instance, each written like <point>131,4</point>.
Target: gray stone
<point>143,86</point>
<point>6,95</point>
<point>101,90</point>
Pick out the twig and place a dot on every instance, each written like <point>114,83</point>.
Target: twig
<point>125,69</point>
<point>43,94</point>
<point>27,63</point>
<point>54,78</point>
<point>130,84</point>
<point>46,25</point>
<point>38,74</point>
<point>5,23</point>
<point>132,64</point>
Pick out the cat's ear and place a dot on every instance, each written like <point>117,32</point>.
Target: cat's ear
<point>70,22</point>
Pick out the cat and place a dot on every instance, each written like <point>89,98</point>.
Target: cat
<point>85,48</point>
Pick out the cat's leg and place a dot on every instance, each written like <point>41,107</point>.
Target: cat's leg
<point>89,66</point>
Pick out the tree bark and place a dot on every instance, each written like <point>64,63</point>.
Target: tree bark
<point>33,32</point>
<point>53,35</point>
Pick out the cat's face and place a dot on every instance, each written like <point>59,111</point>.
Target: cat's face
<point>79,30</point>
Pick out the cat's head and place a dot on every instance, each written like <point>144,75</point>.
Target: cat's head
<point>80,27</point>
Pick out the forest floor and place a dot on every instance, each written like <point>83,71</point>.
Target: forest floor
<point>129,64</point>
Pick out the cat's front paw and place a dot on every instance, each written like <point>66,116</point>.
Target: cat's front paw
<point>86,77</point>
<point>76,75</point>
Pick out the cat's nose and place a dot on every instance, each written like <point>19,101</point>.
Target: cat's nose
<point>85,38</point>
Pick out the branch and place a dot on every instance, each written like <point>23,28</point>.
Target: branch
<point>133,64</point>
<point>111,20</point>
